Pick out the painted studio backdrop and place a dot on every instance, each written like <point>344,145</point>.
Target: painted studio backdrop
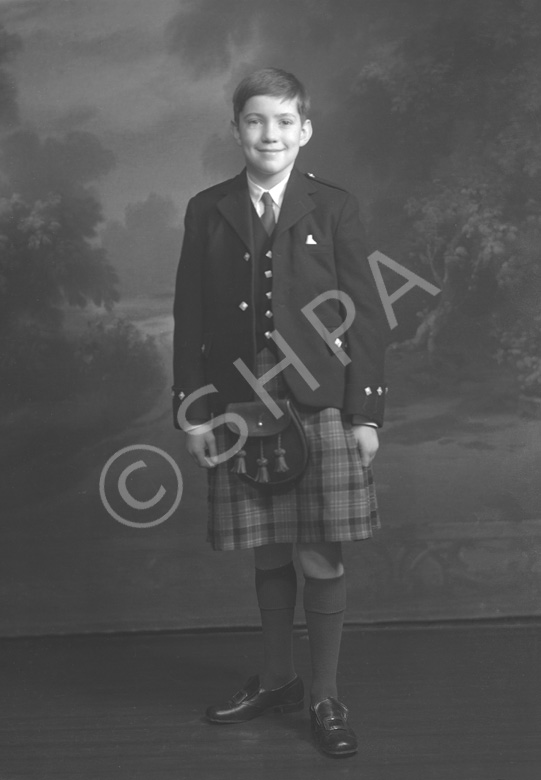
<point>112,114</point>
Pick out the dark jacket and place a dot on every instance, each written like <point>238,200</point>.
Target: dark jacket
<point>214,311</point>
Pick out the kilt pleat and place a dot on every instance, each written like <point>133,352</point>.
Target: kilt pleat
<point>334,501</point>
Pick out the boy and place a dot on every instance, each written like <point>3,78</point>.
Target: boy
<point>257,250</point>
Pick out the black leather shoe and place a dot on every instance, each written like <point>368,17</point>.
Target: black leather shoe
<point>253,700</point>
<point>330,728</point>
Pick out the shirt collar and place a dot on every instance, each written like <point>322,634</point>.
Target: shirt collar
<point>277,192</point>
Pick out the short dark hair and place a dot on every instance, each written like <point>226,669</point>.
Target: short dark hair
<point>274,82</point>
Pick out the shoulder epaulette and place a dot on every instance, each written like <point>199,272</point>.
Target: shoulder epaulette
<point>313,177</point>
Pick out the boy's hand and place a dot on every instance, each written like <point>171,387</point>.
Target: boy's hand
<point>202,448</point>
<point>367,441</point>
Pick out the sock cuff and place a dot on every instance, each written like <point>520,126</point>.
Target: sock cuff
<point>326,596</point>
<point>276,588</point>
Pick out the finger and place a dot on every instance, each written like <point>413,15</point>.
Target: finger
<point>367,457</point>
<point>199,459</point>
<point>197,451</point>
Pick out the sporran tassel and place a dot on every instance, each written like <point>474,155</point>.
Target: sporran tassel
<point>280,465</point>
<point>262,471</point>
<point>239,464</point>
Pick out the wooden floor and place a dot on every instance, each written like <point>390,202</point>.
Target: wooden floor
<point>452,703</point>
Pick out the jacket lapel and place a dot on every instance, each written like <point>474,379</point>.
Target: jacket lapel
<point>297,201</point>
<point>236,206</point>
<point>236,209</point>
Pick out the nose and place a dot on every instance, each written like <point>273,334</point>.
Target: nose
<point>270,134</point>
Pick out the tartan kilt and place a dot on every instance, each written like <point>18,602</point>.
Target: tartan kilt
<point>334,501</point>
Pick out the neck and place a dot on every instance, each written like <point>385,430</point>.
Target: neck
<point>268,182</point>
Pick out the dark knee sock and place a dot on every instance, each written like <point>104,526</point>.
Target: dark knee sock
<point>324,605</point>
<point>276,594</point>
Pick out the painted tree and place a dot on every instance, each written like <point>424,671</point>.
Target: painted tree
<point>48,226</point>
<point>451,131</point>
<point>51,259</point>
<point>49,216</point>
<point>145,246</point>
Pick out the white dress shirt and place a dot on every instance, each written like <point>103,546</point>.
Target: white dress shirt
<point>277,194</point>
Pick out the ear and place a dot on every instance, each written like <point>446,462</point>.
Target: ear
<point>235,132</point>
<point>306,132</point>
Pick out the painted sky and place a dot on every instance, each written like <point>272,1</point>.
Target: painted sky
<point>104,67</point>
<point>152,80</point>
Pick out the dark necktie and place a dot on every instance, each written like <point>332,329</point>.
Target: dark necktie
<point>268,220</point>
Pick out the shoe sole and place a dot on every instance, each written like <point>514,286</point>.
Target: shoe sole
<point>344,754</point>
<point>334,754</point>
<point>281,709</point>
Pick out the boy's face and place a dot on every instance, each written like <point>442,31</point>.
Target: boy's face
<point>270,132</point>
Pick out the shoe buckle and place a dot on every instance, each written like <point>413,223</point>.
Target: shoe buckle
<point>239,697</point>
<point>334,723</point>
